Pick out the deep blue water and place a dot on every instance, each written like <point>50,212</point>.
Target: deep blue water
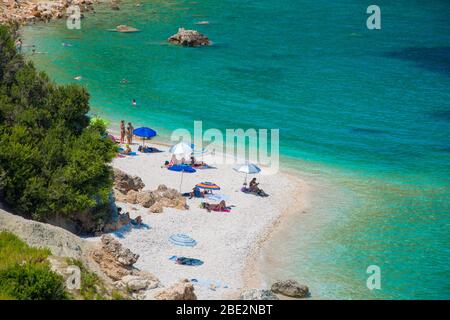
<point>367,111</point>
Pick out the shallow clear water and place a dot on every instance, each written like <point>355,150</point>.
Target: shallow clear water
<point>365,112</point>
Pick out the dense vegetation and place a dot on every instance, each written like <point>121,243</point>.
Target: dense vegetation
<point>25,273</point>
<point>52,161</point>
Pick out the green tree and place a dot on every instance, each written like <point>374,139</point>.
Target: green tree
<point>51,160</point>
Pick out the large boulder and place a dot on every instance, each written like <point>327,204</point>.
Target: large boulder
<point>183,290</point>
<point>156,208</point>
<point>258,294</point>
<point>114,260</point>
<point>124,182</point>
<point>167,197</point>
<point>290,288</point>
<point>132,197</point>
<point>146,199</point>
<point>189,38</point>
<point>136,283</point>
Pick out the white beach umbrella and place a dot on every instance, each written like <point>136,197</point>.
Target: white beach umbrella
<point>181,149</point>
<point>248,168</point>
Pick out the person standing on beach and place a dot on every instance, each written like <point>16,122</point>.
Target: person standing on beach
<point>130,133</point>
<point>122,131</point>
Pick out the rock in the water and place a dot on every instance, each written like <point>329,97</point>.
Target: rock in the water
<point>290,288</point>
<point>123,28</point>
<point>183,290</point>
<point>124,182</point>
<point>114,260</point>
<point>189,38</point>
<point>258,294</point>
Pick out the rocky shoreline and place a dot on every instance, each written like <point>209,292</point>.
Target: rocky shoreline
<point>31,11</point>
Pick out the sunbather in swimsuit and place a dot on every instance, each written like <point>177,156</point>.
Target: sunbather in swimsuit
<point>254,186</point>
<point>166,164</point>
<point>221,206</point>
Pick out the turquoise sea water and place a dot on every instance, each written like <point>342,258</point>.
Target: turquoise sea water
<point>365,113</point>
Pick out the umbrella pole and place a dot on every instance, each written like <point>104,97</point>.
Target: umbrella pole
<point>246,178</point>
<point>181,179</point>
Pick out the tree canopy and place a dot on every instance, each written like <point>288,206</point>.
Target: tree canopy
<point>52,161</point>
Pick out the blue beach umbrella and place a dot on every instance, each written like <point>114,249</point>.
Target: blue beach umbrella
<point>181,239</point>
<point>145,133</point>
<point>182,168</point>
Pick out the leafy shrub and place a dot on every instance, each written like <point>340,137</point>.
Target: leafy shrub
<point>14,251</point>
<point>51,160</point>
<point>31,282</point>
<point>25,273</point>
<point>91,285</point>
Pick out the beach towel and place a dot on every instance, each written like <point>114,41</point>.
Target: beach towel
<point>186,261</point>
<point>150,150</point>
<point>217,197</point>
<point>223,210</point>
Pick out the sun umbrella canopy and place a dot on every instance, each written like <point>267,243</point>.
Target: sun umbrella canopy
<point>181,239</point>
<point>144,132</point>
<point>182,168</point>
<point>181,148</point>
<point>247,168</point>
<point>208,186</point>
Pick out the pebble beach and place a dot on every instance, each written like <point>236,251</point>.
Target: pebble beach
<point>227,242</point>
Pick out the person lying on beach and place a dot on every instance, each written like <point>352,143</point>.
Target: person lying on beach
<point>221,206</point>
<point>195,163</point>
<point>146,149</point>
<point>166,164</point>
<point>127,150</point>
